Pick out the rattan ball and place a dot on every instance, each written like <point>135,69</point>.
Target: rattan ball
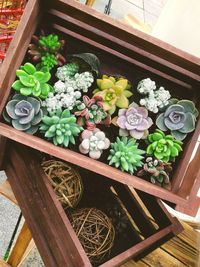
<point>66,182</point>
<point>95,232</point>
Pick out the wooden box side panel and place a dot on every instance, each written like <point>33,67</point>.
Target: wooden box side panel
<point>128,34</point>
<point>17,48</point>
<point>50,227</point>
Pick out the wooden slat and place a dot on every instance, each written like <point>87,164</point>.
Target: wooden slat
<point>6,190</point>
<point>162,259</point>
<point>4,264</point>
<point>20,246</point>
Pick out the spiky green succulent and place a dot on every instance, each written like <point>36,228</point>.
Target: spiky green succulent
<point>126,155</point>
<point>32,81</point>
<point>163,147</point>
<point>60,127</point>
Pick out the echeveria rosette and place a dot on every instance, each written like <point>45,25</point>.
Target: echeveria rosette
<point>114,91</point>
<point>163,147</point>
<point>32,81</point>
<point>90,112</point>
<point>134,121</point>
<point>126,155</point>
<point>24,113</point>
<point>179,118</point>
<point>93,143</point>
<point>60,127</point>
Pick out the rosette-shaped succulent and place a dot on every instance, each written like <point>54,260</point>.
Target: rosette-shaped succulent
<point>66,71</point>
<point>126,155</point>
<point>93,142</point>
<point>134,121</point>
<point>90,112</point>
<point>179,118</point>
<point>163,147</point>
<point>32,81</point>
<point>114,91</point>
<point>158,172</point>
<point>61,127</point>
<point>24,113</point>
<point>45,49</point>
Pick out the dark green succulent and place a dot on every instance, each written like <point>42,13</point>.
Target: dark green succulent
<point>179,118</point>
<point>126,155</point>
<point>60,127</point>
<point>163,147</point>
<point>32,81</point>
<point>24,113</point>
<point>50,43</point>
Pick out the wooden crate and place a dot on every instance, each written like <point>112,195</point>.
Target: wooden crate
<point>149,227</point>
<point>122,50</point>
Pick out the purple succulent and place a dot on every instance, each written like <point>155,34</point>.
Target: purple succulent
<point>134,121</point>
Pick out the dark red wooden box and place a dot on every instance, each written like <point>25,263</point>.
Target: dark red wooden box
<point>129,52</point>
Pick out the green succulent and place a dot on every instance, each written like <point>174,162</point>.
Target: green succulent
<point>124,154</point>
<point>66,71</point>
<point>24,113</point>
<point>61,127</point>
<point>49,60</point>
<point>32,81</point>
<point>51,43</point>
<point>163,147</point>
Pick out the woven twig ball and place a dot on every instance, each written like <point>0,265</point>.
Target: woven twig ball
<point>65,180</point>
<point>95,232</point>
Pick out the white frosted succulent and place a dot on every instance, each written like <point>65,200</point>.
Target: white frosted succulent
<point>93,142</point>
<point>145,86</point>
<point>162,96</point>
<point>84,81</point>
<point>150,104</point>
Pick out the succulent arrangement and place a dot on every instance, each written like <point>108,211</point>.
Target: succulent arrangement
<point>157,171</point>
<point>126,155</point>
<point>93,142</point>
<point>163,147</point>
<point>90,112</point>
<point>32,81</point>
<point>114,91</point>
<point>71,104</point>
<point>179,118</point>
<point>45,50</point>
<point>134,121</point>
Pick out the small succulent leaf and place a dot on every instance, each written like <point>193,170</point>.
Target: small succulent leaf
<point>37,118</point>
<point>32,130</point>
<point>178,135</point>
<point>72,140</point>
<point>6,117</point>
<point>28,118</point>
<point>106,84</point>
<point>44,127</point>
<point>122,83</point>
<point>26,91</point>
<point>29,68</point>
<point>157,136</point>
<point>10,109</point>
<point>127,93</point>
<point>158,155</point>
<point>45,89</point>
<point>60,139</point>
<point>66,141</point>
<point>17,85</point>
<point>27,81</point>
<point>21,73</point>
<point>35,104</point>
<point>188,105</point>
<point>49,134</point>
<point>20,127</point>
<point>122,102</point>
<point>174,151</point>
<point>189,124</point>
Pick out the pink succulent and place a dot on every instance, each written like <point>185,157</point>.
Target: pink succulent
<point>134,121</point>
<point>93,142</point>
